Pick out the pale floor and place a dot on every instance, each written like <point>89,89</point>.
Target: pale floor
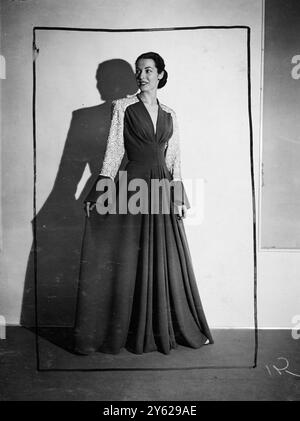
<point>158,377</point>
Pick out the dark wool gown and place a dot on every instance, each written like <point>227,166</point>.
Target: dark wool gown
<point>137,289</point>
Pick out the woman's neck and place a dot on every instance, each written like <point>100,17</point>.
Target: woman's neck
<point>148,98</point>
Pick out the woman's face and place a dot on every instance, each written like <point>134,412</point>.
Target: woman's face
<point>146,75</point>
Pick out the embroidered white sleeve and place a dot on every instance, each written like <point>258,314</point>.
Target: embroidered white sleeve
<point>115,142</point>
<point>173,158</point>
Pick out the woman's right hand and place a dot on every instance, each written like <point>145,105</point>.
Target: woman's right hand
<point>92,197</point>
<point>88,207</point>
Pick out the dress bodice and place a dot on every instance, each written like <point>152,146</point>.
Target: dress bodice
<point>132,130</point>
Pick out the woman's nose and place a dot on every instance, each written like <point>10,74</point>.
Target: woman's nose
<point>142,75</point>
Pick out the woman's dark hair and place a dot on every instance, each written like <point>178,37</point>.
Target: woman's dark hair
<point>159,63</point>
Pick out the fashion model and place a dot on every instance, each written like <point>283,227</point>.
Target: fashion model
<point>137,289</point>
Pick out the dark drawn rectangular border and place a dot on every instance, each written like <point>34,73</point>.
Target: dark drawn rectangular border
<point>185,28</point>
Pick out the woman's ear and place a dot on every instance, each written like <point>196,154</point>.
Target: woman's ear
<point>161,75</point>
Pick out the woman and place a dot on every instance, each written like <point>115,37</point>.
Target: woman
<point>137,289</point>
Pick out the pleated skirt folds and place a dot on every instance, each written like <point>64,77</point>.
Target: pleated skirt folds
<point>137,289</point>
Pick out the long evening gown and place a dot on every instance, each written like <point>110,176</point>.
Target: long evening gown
<point>137,289</point>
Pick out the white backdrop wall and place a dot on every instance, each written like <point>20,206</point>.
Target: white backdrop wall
<point>207,84</point>
<point>210,134</point>
<point>2,76</point>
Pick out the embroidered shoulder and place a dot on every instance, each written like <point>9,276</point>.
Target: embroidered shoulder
<point>123,103</point>
<point>167,109</point>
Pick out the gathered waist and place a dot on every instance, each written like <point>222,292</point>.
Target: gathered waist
<point>148,163</point>
<point>141,169</point>
<point>150,158</point>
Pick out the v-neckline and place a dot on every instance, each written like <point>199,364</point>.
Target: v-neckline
<point>148,113</point>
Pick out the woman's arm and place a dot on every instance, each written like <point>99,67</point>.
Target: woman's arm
<point>173,162</point>
<point>113,155</point>
<point>115,144</point>
<point>173,157</point>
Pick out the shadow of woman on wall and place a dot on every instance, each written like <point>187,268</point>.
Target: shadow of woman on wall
<point>59,224</point>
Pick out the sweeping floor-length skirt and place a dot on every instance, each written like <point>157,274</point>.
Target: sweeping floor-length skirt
<point>137,289</point>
